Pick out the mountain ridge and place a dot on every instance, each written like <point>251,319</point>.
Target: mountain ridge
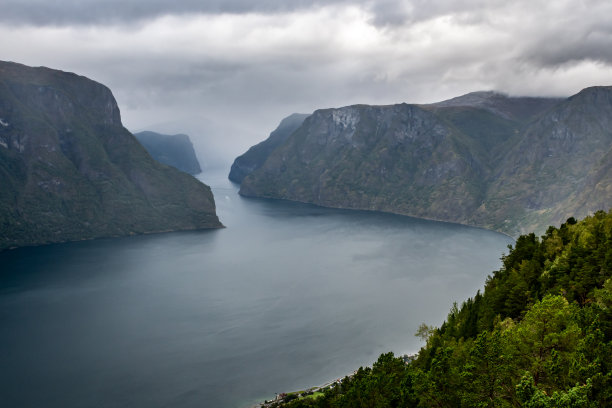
<point>456,160</point>
<point>71,170</point>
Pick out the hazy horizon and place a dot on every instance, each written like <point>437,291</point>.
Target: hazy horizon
<point>226,72</point>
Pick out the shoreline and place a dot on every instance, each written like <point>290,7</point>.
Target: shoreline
<point>280,398</point>
<point>401,214</point>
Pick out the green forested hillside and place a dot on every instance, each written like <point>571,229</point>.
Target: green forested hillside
<point>539,336</point>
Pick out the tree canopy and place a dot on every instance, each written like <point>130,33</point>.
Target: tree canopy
<point>540,335</point>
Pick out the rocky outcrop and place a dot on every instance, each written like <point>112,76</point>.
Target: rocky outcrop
<point>257,155</point>
<point>483,159</point>
<point>173,150</point>
<point>71,171</point>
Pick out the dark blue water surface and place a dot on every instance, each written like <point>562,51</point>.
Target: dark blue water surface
<point>287,296</point>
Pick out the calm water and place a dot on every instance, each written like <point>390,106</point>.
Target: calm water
<point>287,296</point>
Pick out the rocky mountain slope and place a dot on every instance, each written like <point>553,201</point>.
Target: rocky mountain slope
<point>71,171</point>
<point>558,167</point>
<point>173,150</point>
<point>510,164</point>
<point>257,155</point>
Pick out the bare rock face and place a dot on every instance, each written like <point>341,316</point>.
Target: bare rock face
<point>483,159</point>
<point>71,171</point>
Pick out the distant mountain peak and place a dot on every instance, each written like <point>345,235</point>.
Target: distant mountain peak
<point>257,155</point>
<point>474,99</point>
<point>173,150</point>
<point>597,88</point>
<point>509,107</point>
<point>508,163</point>
<point>596,94</point>
<point>71,171</point>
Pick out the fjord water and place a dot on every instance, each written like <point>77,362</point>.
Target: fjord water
<point>287,296</point>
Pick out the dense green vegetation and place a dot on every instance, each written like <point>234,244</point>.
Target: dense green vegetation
<point>540,335</point>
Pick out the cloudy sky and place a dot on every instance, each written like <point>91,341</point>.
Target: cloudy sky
<point>227,71</point>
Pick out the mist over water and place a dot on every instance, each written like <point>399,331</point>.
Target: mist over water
<point>287,296</point>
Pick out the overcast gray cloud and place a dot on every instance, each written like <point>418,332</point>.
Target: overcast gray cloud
<point>228,71</point>
<point>54,12</point>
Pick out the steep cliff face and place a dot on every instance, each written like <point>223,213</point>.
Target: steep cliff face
<point>173,150</point>
<point>552,171</point>
<point>484,159</point>
<point>71,171</point>
<point>257,155</point>
<point>398,158</point>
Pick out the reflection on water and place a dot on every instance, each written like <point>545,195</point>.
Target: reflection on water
<point>287,296</point>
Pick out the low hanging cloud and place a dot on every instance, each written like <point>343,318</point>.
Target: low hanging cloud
<point>233,69</point>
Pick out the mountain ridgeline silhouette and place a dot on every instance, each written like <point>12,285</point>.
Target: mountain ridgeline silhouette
<point>71,171</point>
<point>510,164</point>
<point>173,150</point>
